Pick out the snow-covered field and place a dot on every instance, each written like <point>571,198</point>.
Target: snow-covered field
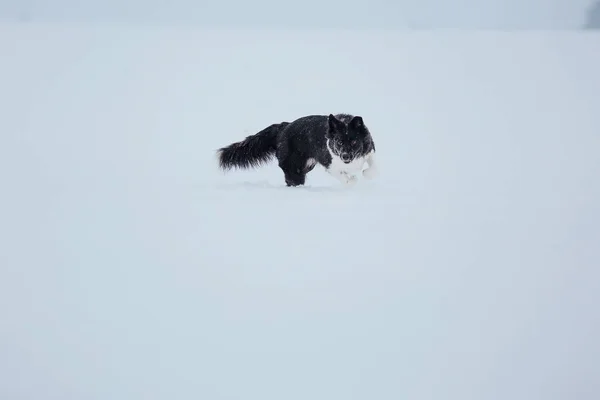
<point>131,268</point>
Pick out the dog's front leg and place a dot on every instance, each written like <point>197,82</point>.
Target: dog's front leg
<point>372,171</point>
<point>342,176</point>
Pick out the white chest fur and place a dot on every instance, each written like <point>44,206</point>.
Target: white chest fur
<point>352,168</point>
<point>345,172</point>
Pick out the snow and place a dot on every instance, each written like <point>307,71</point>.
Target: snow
<point>353,14</point>
<point>131,268</point>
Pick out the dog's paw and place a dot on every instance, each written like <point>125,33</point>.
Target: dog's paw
<point>370,173</point>
<point>351,180</point>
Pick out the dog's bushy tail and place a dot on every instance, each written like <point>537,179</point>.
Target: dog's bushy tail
<point>253,151</point>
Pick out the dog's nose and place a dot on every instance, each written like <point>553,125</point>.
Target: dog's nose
<point>345,157</point>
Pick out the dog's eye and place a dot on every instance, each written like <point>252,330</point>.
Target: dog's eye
<point>354,142</point>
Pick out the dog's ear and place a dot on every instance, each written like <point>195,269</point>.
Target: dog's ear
<point>335,125</point>
<point>357,122</point>
<point>357,125</point>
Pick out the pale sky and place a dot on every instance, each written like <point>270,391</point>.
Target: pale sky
<point>506,14</point>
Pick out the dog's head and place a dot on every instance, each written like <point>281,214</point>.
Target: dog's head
<point>347,136</point>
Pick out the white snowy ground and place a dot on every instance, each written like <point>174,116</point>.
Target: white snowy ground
<point>130,268</point>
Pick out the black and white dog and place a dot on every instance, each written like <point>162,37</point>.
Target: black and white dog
<point>341,143</point>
